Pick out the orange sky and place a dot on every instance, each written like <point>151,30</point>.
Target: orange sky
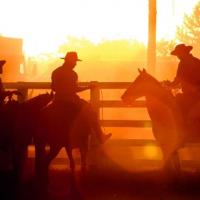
<point>45,24</point>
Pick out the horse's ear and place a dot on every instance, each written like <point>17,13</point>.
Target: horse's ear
<point>144,70</point>
<point>140,71</point>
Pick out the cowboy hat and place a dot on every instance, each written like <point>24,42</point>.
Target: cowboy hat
<point>181,49</point>
<point>72,55</point>
<point>2,62</point>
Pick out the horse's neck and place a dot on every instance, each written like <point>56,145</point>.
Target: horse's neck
<point>37,102</point>
<point>156,93</point>
<point>160,104</point>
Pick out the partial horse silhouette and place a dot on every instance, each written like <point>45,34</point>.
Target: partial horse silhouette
<point>7,107</point>
<point>62,125</point>
<point>168,125</point>
<point>21,120</point>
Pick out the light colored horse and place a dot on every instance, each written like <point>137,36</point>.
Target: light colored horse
<point>168,125</point>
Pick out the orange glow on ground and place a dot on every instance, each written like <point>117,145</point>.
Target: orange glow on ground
<point>151,152</point>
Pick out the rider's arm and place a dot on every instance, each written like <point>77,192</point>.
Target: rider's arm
<point>175,82</point>
<point>177,78</point>
<point>80,89</point>
<point>89,87</point>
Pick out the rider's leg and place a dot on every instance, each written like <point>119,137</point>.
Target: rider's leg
<point>91,115</point>
<point>187,103</point>
<point>182,103</point>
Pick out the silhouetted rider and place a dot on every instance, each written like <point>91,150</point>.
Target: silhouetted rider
<point>187,77</point>
<point>65,85</point>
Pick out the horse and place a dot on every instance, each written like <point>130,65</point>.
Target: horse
<point>7,106</point>
<point>168,124</point>
<point>62,124</point>
<point>21,124</point>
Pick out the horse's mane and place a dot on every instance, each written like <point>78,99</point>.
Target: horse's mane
<point>165,93</point>
<point>38,101</point>
<point>151,78</point>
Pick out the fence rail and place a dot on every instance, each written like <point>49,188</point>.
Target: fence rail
<point>23,87</point>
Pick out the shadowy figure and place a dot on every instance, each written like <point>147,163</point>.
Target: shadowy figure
<point>5,123</point>
<point>24,119</point>
<point>3,135</point>
<point>65,85</point>
<point>18,122</point>
<point>68,121</point>
<point>7,177</point>
<point>187,78</point>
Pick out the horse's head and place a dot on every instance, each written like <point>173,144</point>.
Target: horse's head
<point>141,86</point>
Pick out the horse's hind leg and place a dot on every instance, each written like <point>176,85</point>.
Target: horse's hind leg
<point>71,160</point>
<point>19,157</point>
<point>40,168</point>
<point>83,152</point>
<point>172,166</point>
<point>53,152</point>
<point>176,162</point>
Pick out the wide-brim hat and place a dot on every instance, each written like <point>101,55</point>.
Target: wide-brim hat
<point>181,49</point>
<point>2,62</point>
<point>71,56</point>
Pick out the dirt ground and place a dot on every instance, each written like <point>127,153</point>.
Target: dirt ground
<point>111,183</point>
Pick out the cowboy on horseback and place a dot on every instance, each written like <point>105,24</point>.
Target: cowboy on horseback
<point>187,78</point>
<point>65,85</point>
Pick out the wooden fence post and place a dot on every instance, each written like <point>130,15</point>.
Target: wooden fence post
<point>95,153</point>
<point>24,94</point>
<point>95,96</point>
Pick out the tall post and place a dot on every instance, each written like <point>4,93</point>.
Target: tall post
<point>151,50</point>
<point>96,152</point>
<point>24,92</point>
<point>95,96</point>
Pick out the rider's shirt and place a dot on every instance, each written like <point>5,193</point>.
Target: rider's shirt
<point>188,74</point>
<point>64,83</point>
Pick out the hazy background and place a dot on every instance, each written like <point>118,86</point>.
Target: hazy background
<point>110,37</point>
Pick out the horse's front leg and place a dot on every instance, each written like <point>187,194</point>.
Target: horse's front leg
<point>20,154</point>
<point>71,160</point>
<point>83,152</point>
<point>173,164</point>
<point>176,162</point>
<point>40,166</point>
<point>53,152</point>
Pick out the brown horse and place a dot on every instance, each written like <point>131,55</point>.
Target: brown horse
<point>62,125</point>
<point>18,126</point>
<point>168,125</point>
<point>25,122</point>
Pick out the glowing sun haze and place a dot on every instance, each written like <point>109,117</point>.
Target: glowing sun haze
<point>45,24</point>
